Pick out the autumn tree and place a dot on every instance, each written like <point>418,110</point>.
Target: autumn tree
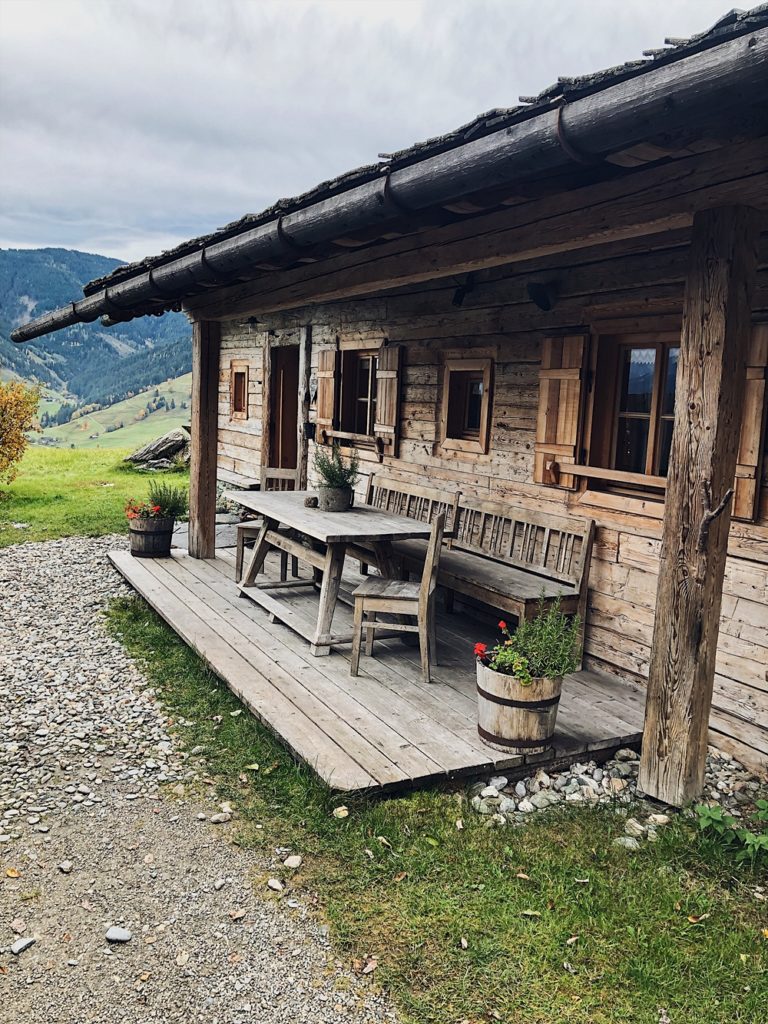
<point>18,408</point>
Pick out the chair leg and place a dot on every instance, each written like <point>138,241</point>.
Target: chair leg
<point>357,638</point>
<point>424,650</point>
<point>370,632</point>
<point>433,635</point>
<point>239,557</point>
<point>363,568</point>
<point>283,566</point>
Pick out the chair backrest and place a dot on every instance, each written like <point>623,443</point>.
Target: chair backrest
<point>431,562</point>
<point>552,546</point>
<point>278,479</point>
<point>406,499</point>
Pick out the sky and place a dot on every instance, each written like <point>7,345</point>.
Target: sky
<point>128,126</point>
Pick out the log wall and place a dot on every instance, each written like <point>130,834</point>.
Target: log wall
<point>628,286</point>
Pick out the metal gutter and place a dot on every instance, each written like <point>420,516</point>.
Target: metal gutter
<point>728,75</point>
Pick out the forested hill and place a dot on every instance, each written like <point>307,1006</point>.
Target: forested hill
<point>91,362</point>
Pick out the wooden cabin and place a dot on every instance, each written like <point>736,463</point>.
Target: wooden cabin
<point>561,307</point>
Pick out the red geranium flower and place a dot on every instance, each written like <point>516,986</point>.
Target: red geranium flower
<point>502,625</point>
<point>480,650</point>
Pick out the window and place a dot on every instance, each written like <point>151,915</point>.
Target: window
<point>466,405</point>
<point>357,404</point>
<point>238,391</point>
<point>645,408</point>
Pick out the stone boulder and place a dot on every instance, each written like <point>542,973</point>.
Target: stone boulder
<point>166,452</point>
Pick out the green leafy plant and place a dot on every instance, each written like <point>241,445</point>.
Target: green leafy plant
<point>547,645</point>
<point>747,841</point>
<point>164,501</point>
<point>333,471</point>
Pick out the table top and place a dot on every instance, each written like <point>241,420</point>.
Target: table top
<point>360,523</point>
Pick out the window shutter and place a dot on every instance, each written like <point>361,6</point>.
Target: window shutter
<point>327,374</point>
<point>387,426</point>
<point>558,426</point>
<point>746,488</point>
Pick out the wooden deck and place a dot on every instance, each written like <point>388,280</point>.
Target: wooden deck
<point>385,729</point>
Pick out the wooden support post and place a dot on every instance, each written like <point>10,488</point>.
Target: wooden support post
<point>206,338</point>
<point>697,514</point>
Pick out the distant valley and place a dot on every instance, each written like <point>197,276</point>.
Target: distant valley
<point>87,364</point>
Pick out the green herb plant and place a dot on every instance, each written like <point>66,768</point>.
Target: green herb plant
<point>547,645</point>
<point>747,841</point>
<point>331,468</point>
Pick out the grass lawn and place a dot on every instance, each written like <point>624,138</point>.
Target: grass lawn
<point>548,924</point>
<point>66,492</point>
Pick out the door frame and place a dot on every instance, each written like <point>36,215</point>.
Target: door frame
<point>302,338</point>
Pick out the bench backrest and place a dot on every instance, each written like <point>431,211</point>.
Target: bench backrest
<point>411,500</point>
<point>554,547</point>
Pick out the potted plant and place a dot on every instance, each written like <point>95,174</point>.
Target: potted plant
<point>520,679</point>
<point>337,479</point>
<point>151,522</point>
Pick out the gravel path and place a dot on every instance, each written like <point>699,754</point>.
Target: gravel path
<point>97,831</point>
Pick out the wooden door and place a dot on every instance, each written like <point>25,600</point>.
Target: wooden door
<point>283,407</point>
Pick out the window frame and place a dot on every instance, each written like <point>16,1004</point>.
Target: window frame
<point>236,368</point>
<point>601,427</point>
<point>478,445</point>
<point>347,407</point>
<point>655,415</point>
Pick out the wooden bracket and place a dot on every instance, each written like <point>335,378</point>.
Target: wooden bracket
<point>710,514</point>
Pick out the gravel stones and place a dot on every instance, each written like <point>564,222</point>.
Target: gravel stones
<point>20,945</point>
<point>615,784</point>
<point>293,862</point>
<point>86,749</point>
<point>118,935</point>
<point>66,867</point>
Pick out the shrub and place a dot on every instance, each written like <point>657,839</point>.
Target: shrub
<point>547,645</point>
<point>331,469</point>
<point>18,407</point>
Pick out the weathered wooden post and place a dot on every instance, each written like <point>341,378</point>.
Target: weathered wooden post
<point>697,514</point>
<point>206,337</point>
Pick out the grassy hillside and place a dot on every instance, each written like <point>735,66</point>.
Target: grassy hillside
<point>65,493</point>
<point>139,425</point>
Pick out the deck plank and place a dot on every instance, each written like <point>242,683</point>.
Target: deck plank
<point>386,728</point>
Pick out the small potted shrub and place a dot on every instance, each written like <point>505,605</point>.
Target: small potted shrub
<point>151,522</point>
<point>337,479</point>
<point>520,679</point>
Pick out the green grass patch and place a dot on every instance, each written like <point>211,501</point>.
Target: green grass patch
<point>65,492</point>
<point>397,879</point>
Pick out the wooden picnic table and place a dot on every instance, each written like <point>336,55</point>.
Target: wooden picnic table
<point>323,540</point>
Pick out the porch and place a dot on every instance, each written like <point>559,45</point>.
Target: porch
<point>385,729</point>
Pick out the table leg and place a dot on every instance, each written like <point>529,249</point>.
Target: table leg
<point>260,551</point>
<point>329,592</point>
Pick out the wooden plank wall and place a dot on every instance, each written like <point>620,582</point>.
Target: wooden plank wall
<point>497,314</point>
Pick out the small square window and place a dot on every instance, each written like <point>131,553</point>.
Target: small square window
<point>466,404</point>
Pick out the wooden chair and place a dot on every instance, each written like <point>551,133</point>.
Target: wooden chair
<point>247,532</point>
<point>401,598</point>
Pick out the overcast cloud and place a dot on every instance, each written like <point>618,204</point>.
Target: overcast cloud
<point>129,126</point>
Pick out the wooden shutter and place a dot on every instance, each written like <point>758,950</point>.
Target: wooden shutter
<point>558,426</point>
<point>386,429</point>
<point>327,375</point>
<point>746,488</point>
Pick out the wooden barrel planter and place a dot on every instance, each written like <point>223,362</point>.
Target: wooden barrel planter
<point>515,718</point>
<point>151,538</point>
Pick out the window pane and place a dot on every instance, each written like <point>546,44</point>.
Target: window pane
<point>637,371</point>
<point>668,399</point>
<point>239,397</point>
<point>474,405</point>
<point>665,444</point>
<point>631,444</point>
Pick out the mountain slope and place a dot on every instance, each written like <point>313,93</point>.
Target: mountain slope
<point>93,363</point>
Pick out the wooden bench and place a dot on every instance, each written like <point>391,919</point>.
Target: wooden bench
<point>402,498</point>
<point>509,558</point>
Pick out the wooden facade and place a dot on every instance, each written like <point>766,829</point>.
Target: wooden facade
<point>631,290</point>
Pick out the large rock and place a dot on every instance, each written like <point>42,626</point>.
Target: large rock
<point>164,453</point>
